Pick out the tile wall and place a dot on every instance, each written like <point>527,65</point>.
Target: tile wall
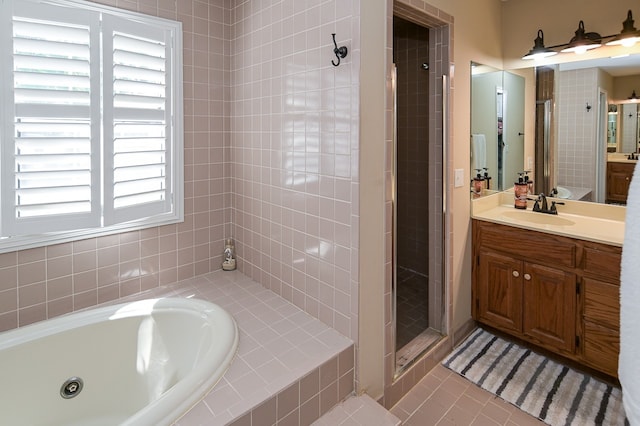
<point>577,128</point>
<point>45,282</point>
<point>411,51</point>
<point>295,150</point>
<point>257,77</point>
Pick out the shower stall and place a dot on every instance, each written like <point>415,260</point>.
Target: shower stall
<point>417,237</point>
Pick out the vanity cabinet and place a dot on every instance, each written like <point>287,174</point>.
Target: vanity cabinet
<point>555,292</point>
<point>600,319</point>
<point>618,179</point>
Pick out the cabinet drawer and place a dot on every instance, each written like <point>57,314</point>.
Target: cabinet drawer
<point>601,303</point>
<point>602,263</point>
<point>601,348</point>
<point>543,248</point>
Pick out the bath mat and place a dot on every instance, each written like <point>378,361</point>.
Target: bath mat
<point>554,393</point>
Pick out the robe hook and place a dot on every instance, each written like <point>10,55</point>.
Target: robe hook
<point>340,52</point>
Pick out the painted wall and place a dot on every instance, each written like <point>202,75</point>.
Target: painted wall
<point>470,19</point>
<point>523,18</point>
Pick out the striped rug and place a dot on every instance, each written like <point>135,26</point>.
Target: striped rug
<point>552,392</point>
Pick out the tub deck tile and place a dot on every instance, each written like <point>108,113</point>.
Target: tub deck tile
<point>279,346</point>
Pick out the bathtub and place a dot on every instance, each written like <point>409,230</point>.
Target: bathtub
<point>139,363</point>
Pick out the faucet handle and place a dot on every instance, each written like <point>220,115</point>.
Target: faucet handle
<point>553,209</point>
<point>536,205</point>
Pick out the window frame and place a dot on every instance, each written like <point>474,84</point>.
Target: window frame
<point>174,124</point>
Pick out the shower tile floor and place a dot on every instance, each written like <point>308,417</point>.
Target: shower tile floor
<point>413,334</point>
<point>412,307</point>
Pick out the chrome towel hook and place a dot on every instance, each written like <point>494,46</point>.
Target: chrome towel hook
<point>340,52</point>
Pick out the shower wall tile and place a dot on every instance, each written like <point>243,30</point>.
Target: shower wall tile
<point>45,282</point>
<point>295,151</point>
<point>411,50</point>
<point>577,128</point>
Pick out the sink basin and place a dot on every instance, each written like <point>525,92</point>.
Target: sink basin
<point>537,218</point>
<point>563,192</point>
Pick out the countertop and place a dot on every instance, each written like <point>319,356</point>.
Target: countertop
<point>616,157</point>
<point>601,223</point>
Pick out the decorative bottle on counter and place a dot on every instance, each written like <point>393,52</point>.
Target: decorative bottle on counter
<point>520,190</point>
<point>478,182</point>
<point>229,256</point>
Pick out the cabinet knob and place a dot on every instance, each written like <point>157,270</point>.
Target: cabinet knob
<point>516,274</point>
<point>527,277</point>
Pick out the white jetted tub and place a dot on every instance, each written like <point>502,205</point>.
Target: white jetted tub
<point>139,363</point>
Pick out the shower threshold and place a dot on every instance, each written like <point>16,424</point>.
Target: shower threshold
<point>421,343</point>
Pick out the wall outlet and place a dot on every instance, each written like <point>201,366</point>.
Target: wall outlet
<point>530,163</point>
<point>458,180</point>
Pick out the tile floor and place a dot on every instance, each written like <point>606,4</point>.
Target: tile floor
<point>444,398</point>
<point>358,411</point>
<point>412,310</point>
<point>441,398</point>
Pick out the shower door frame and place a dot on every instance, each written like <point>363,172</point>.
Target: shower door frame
<point>438,297</point>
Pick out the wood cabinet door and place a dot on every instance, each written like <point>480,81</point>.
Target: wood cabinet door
<point>601,325</point>
<point>618,179</point>
<point>499,291</point>
<point>549,306</point>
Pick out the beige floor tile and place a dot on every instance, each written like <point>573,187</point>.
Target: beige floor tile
<point>497,412</point>
<point>444,398</point>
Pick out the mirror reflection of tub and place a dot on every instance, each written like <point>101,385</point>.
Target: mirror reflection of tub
<point>142,363</point>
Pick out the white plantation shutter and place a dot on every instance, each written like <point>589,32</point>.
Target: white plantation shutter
<point>90,119</point>
<point>53,135</point>
<point>137,117</point>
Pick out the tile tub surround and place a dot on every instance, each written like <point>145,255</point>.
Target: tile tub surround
<point>290,368</point>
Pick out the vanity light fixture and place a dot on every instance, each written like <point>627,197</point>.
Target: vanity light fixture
<point>633,96</point>
<point>629,34</point>
<point>583,41</point>
<point>539,51</point>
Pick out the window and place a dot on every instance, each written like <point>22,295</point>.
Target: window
<point>90,121</point>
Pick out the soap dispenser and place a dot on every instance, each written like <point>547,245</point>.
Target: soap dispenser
<point>529,182</point>
<point>487,179</point>
<point>520,189</point>
<point>478,182</point>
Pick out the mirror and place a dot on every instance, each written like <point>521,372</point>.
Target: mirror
<point>623,132</point>
<point>497,128</point>
<point>594,122</point>
<point>586,116</point>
